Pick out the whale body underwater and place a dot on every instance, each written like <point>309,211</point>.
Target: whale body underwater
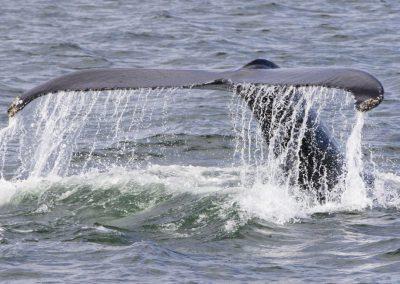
<point>319,153</point>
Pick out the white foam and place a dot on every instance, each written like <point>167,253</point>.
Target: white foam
<point>386,191</point>
<point>271,203</point>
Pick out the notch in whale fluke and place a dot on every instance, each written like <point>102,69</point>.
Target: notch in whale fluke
<point>366,89</point>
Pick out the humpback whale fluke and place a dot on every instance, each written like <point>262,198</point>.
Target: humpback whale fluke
<point>366,89</point>
<point>319,155</point>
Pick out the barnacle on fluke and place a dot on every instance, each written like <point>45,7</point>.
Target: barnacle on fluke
<point>15,106</point>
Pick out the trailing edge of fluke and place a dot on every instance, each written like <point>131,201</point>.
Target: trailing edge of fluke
<point>366,89</point>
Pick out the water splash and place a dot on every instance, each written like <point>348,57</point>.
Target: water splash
<point>79,134</point>
<point>61,128</point>
<point>265,170</point>
<point>283,119</point>
<point>355,193</point>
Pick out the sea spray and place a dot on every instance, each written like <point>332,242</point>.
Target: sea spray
<point>89,134</point>
<point>6,135</point>
<point>355,193</point>
<point>265,171</point>
<point>270,149</point>
<point>52,131</point>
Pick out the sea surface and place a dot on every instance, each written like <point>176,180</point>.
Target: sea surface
<point>177,185</point>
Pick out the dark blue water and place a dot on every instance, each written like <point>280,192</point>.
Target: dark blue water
<point>166,201</point>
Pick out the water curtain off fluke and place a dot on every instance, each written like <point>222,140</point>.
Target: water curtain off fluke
<point>80,133</point>
<point>283,141</point>
<point>70,132</point>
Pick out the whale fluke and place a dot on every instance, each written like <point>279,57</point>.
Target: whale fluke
<point>366,89</point>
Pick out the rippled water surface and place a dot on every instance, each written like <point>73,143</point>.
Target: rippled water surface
<point>169,185</point>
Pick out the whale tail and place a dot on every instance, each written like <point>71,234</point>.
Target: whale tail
<point>366,89</point>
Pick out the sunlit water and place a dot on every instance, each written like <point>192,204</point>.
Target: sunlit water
<point>179,185</point>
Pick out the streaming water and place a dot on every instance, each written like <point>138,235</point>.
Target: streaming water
<point>83,133</point>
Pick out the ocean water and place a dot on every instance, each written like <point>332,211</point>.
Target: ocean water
<point>173,185</point>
